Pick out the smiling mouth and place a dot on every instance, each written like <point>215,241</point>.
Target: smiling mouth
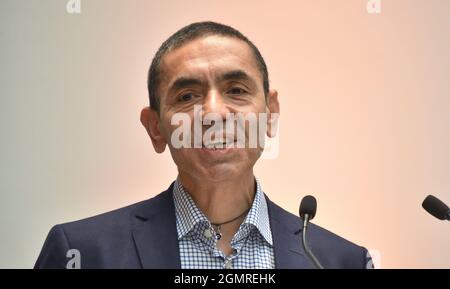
<point>218,145</point>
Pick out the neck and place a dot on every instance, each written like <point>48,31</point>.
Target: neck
<point>221,201</point>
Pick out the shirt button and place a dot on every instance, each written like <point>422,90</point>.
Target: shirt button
<point>228,264</point>
<point>207,233</point>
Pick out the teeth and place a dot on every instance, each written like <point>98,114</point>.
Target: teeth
<point>220,143</point>
<point>215,146</point>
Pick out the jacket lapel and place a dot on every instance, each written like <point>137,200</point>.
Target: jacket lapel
<point>156,237</point>
<point>287,242</point>
<point>157,243</point>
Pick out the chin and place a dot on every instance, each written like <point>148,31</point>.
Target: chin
<point>221,173</point>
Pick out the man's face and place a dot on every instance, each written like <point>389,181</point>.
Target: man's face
<point>220,74</point>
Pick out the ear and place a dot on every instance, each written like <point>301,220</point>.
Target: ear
<point>273,112</point>
<point>150,120</point>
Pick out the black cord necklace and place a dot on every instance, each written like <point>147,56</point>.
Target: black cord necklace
<point>218,225</point>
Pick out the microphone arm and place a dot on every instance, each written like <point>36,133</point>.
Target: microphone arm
<point>308,251</point>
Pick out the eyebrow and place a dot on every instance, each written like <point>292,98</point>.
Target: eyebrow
<point>236,75</point>
<point>183,82</point>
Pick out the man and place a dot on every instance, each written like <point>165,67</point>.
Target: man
<point>215,215</point>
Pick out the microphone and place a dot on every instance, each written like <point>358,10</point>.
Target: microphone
<point>436,208</point>
<point>307,211</point>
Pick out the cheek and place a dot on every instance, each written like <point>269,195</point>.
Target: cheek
<point>180,120</point>
<point>166,128</point>
<point>183,158</point>
<point>257,105</point>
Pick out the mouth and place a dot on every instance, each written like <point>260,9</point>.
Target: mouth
<point>219,146</point>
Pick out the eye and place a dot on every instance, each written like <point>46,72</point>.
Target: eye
<point>186,97</point>
<point>236,90</point>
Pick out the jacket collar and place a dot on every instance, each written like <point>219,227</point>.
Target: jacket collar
<point>156,236</point>
<point>156,240</point>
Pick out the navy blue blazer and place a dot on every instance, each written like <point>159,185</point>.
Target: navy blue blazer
<point>144,235</point>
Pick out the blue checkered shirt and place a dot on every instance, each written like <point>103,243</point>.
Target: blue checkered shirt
<point>252,244</point>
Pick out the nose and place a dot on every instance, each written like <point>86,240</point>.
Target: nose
<point>215,103</point>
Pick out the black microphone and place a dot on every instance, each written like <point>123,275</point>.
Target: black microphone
<point>307,211</point>
<point>436,208</point>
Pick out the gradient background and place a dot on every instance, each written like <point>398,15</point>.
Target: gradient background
<point>365,115</point>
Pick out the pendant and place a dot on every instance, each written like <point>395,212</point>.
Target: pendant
<point>218,233</point>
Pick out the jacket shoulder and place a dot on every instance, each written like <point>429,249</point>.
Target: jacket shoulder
<point>333,250</point>
<point>99,237</point>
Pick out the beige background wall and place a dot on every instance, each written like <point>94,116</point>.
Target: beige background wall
<point>365,122</point>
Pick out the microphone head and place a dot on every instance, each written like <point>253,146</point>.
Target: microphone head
<point>436,207</point>
<point>308,206</point>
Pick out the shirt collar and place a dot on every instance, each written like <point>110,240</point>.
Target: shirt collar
<point>188,215</point>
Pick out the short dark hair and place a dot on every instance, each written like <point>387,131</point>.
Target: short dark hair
<point>191,32</point>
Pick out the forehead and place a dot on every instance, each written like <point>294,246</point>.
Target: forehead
<point>208,57</point>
